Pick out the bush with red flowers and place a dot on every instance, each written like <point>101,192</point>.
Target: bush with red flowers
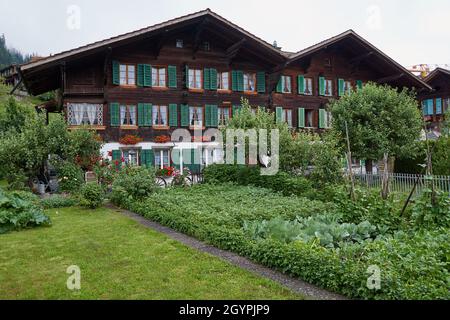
<point>130,139</point>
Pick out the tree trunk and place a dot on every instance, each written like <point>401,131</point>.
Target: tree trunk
<point>385,177</point>
<point>369,166</point>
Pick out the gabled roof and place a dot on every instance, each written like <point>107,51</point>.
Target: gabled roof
<point>143,31</point>
<point>435,73</point>
<point>370,47</point>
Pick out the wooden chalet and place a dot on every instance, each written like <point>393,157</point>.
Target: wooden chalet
<point>436,103</point>
<point>191,73</point>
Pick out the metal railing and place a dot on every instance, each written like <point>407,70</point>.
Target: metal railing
<point>402,182</point>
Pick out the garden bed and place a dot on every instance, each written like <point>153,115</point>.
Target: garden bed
<point>413,265</point>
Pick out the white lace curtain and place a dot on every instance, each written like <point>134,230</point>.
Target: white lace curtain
<point>84,113</point>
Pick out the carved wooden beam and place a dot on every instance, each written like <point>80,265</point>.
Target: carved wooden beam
<point>234,50</point>
<point>158,46</point>
<point>106,65</point>
<point>390,78</point>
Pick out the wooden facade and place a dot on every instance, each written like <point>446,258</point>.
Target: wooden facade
<point>436,103</point>
<point>205,41</point>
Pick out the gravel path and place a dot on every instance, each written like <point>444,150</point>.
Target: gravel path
<point>309,291</point>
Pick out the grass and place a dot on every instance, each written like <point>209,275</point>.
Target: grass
<point>118,259</point>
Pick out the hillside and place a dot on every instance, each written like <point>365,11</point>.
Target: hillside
<point>10,55</point>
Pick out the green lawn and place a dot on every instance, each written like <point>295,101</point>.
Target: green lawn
<point>119,259</point>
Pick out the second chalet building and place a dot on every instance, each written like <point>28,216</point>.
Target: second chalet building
<point>191,72</point>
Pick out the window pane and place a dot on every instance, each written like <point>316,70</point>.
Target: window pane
<point>154,77</point>
<point>191,79</point>
<point>163,113</point>
<point>165,158</point>
<point>162,77</point>
<point>225,80</point>
<point>123,112</point>
<point>132,110</point>
<point>198,79</point>
<point>155,115</point>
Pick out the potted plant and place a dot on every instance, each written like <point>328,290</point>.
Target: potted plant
<point>162,139</point>
<point>130,139</point>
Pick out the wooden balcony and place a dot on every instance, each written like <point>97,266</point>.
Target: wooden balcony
<point>84,91</point>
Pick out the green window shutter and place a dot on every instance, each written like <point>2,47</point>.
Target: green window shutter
<point>322,118</point>
<point>234,81</point>
<point>184,115</point>
<point>141,114</point>
<point>280,86</point>
<point>213,79</point>
<point>114,114</point>
<point>301,117</point>
<point>173,115</point>
<point>438,105</point>
<point>240,81</point>
<point>359,84</point>
<point>261,82</point>
<point>147,75</point>
<point>208,115</point>
<point>214,116</point>
<point>147,114</point>
<point>176,158</point>
<point>186,76</point>
<point>341,87</point>
<point>321,86</point>
<point>195,156</point>
<point>140,75</point>
<point>206,79</point>
<point>147,158</point>
<point>236,110</point>
<point>116,155</point>
<point>172,73</point>
<point>279,114</point>
<point>116,72</point>
<point>430,107</point>
<point>301,84</point>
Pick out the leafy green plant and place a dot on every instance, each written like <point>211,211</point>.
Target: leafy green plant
<point>17,212</point>
<point>133,183</point>
<point>70,176</point>
<point>92,195</point>
<point>426,214</point>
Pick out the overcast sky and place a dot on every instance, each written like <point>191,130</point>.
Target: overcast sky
<point>410,31</point>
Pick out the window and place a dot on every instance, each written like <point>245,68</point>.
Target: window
<point>195,79</point>
<point>309,118</point>
<point>211,155</point>
<point>286,84</point>
<point>196,117</point>
<point>206,46</point>
<point>179,43</point>
<point>223,80</point>
<point>328,119</point>
<point>347,87</point>
<point>446,105</point>
<point>224,115</point>
<point>328,88</point>
<point>159,116</point>
<point>162,159</point>
<point>131,157</point>
<point>287,117</point>
<point>308,86</point>
<point>127,75</point>
<point>249,82</point>
<point>127,115</point>
<point>85,114</point>
<point>158,77</point>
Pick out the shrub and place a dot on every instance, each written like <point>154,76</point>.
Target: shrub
<point>70,176</point>
<point>247,175</point>
<point>427,215</point>
<point>58,201</point>
<point>133,183</point>
<point>17,213</point>
<point>92,195</point>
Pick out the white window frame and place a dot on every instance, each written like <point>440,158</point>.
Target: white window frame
<point>329,84</point>
<point>130,76</point>
<point>220,82</point>
<point>308,84</point>
<point>159,77</point>
<point>160,153</point>
<point>159,115</point>
<point>286,84</point>
<point>195,79</point>
<point>196,125</point>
